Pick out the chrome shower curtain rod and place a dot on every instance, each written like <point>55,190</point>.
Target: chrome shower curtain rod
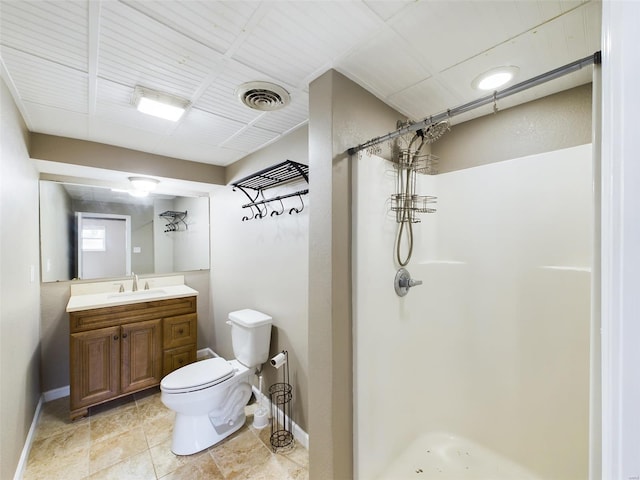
<point>596,59</point>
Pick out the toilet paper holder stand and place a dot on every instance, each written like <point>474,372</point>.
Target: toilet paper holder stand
<point>280,395</point>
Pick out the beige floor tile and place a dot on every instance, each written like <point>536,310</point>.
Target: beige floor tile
<point>109,451</point>
<point>137,467</point>
<point>202,467</point>
<point>53,470</point>
<point>158,429</point>
<point>54,419</point>
<point>116,423</point>
<point>111,407</point>
<point>241,453</point>
<point>130,438</point>
<point>165,461</point>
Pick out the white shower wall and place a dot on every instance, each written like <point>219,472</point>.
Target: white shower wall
<point>494,345</point>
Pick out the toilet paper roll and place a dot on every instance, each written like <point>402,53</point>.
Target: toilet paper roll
<point>279,360</point>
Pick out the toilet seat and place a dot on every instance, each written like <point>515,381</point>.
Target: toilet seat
<point>197,376</point>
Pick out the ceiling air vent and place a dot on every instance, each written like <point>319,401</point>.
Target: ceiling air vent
<point>263,96</point>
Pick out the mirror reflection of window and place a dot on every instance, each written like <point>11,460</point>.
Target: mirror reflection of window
<point>93,239</point>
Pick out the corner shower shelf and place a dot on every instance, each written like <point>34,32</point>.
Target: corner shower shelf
<point>254,185</point>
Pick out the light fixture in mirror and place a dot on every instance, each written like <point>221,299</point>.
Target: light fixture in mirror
<point>152,247</point>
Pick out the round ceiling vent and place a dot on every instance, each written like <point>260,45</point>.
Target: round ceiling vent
<point>263,96</point>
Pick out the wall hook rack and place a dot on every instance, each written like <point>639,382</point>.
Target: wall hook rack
<point>254,185</point>
<point>175,219</point>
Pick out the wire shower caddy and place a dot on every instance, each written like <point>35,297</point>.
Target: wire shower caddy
<point>280,395</point>
<point>405,202</point>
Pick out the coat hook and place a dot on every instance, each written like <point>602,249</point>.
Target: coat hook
<point>294,209</point>
<point>281,211</point>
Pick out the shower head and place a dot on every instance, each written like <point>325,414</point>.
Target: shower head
<point>434,131</point>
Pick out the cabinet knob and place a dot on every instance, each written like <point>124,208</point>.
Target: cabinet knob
<point>181,331</point>
<point>124,335</point>
<point>181,361</point>
<point>115,337</point>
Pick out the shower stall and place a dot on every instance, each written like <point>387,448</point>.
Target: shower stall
<point>482,371</point>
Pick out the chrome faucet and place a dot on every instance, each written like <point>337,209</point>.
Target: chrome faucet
<point>134,288</point>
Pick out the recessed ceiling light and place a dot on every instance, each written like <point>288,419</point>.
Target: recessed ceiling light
<point>159,104</point>
<point>494,78</point>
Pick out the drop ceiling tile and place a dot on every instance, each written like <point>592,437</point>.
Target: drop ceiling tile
<point>136,50</point>
<point>206,128</point>
<point>386,10</point>
<point>552,45</point>
<point>102,130</point>
<point>215,24</point>
<point>56,121</point>
<point>385,65</point>
<point>451,32</point>
<point>287,118</point>
<point>199,152</point>
<point>57,31</point>
<point>295,39</point>
<point>251,139</point>
<point>426,98</point>
<point>47,83</point>
<point>220,96</point>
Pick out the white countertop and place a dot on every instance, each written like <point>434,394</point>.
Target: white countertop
<point>86,301</point>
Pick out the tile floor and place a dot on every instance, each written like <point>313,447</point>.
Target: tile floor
<point>130,438</point>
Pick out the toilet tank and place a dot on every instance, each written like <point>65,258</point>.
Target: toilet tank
<point>250,336</point>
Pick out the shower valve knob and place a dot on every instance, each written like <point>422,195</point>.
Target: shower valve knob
<point>403,282</point>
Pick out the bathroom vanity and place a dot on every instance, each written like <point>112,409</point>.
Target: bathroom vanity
<point>124,342</point>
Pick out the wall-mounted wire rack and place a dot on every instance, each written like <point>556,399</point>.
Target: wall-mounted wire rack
<point>254,185</point>
<point>175,220</point>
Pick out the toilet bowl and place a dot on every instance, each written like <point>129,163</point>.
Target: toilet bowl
<point>209,399</point>
<point>209,396</point>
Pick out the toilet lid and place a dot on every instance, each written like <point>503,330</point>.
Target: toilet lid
<point>197,376</point>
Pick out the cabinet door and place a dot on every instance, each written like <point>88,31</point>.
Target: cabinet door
<point>95,366</point>
<point>141,355</point>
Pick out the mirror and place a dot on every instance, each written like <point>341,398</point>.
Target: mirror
<point>162,233</point>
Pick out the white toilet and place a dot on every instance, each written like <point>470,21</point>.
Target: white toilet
<point>209,396</point>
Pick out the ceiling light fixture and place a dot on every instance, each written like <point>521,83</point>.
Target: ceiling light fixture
<point>142,186</point>
<point>495,78</point>
<point>159,104</point>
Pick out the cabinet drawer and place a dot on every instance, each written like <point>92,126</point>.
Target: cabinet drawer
<point>180,330</point>
<point>178,357</point>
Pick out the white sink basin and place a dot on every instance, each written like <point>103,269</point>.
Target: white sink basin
<point>138,293</point>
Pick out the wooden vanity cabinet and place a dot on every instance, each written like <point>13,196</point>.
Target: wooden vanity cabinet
<point>115,351</point>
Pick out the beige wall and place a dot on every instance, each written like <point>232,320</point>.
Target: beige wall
<point>550,123</point>
<point>263,264</point>
<point>341,115</point>
<point>19,302</point>
<point>100,155</point>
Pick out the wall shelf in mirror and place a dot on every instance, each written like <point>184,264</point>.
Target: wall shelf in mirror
<point>254,185</point>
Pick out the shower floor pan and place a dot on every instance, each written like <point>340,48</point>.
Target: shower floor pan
<point>443,456</point>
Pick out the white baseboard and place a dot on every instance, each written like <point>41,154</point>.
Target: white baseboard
<point>56,393</point>
<point>299,434</point>
<point>24,456</point>
<point>206,353</point>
